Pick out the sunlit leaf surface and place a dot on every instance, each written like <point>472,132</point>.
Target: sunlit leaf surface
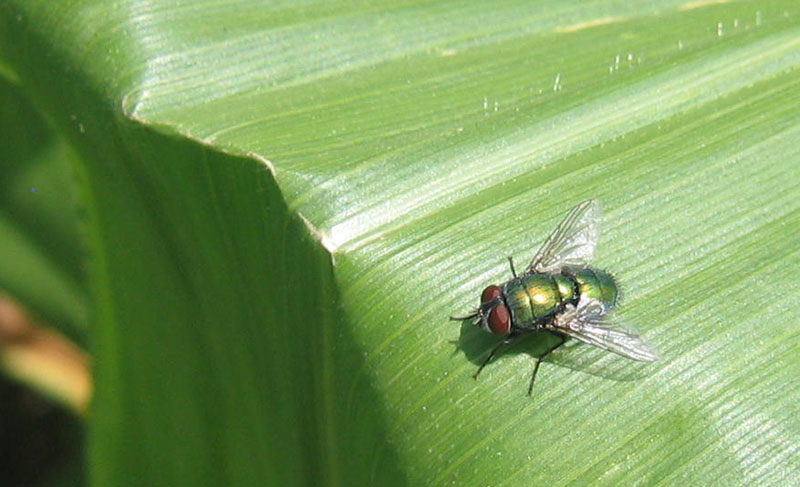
<point>288,200</point>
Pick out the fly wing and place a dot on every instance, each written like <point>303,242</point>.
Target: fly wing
<point>573,241</point>
<point>590,323</point>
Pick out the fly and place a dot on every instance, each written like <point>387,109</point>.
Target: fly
<point>561,294</point>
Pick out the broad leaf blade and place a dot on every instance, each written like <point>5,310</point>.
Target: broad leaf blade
<point>412,148</point>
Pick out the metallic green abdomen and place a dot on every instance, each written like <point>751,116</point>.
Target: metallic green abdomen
<point>535,298</point>
<point>597,284</point>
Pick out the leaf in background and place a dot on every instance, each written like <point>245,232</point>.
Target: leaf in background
<point>299,194</point>
<point>41,265</point>
<point>39,238</point>
<point>42,258</point>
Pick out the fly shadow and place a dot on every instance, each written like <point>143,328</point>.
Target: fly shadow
<point>476,345</point>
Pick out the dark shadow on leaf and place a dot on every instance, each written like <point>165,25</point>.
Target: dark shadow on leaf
<point>476,345</point>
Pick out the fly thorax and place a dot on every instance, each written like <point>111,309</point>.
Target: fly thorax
<point>518,302</point>
<point>532,298</point>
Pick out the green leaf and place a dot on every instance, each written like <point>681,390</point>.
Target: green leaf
<point>287,201</point>
<point>39,238</point>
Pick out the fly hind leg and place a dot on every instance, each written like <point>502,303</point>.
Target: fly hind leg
<point>539,360</point>
<point>511,263</point>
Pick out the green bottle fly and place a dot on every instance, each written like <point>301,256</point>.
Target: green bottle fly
<point>560,293</point>
<point>536,298</point>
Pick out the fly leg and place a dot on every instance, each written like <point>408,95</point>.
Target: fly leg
<point>508,341</point>
<point>462,318</point>
<point>539,360</point>
<point>511,263</point>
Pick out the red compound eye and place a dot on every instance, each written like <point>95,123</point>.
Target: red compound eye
<point>499,320</point>
<point>490,293</point>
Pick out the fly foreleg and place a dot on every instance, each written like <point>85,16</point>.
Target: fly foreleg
<point>508,341</point>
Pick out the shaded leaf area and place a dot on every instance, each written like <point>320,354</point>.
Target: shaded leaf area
<point>281,313</point>
<point>40,243</point>
<point>241,339</point>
